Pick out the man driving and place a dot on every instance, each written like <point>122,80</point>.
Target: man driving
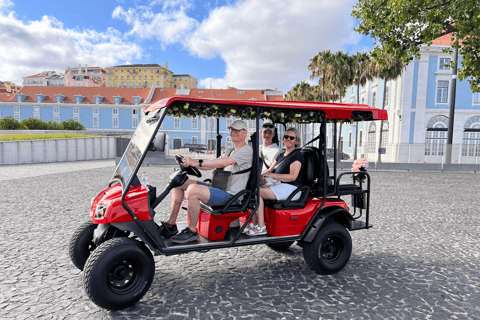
<point>194,191</point>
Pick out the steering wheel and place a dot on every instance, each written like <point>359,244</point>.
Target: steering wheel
<point>189,170</point>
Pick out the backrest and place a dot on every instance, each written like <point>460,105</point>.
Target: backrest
<point>313,173</point>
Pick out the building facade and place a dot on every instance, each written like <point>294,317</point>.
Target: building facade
<point>45,78</point>
<point>85,77</point>
<point>418,105</point>
<point>120,109</point>
<point>139,76</point>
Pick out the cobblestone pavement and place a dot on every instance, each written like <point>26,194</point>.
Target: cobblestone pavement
<point>420,261</point>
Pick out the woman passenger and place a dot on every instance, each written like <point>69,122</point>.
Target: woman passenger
<point>288,172</point>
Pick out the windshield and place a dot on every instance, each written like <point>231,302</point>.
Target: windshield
<point>137,147</point>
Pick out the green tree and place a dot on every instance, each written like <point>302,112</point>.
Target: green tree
<point>386,68</point>
<point>34,124</point>
<point>52,125</point>
<point>401,27</point>
<point>301,92</point>
<point>9,123</point>
<point>363,70</point>
<point>71,124</point>
<point>341,75</point>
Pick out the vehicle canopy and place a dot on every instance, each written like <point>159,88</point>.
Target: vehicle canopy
<point>276,111</point>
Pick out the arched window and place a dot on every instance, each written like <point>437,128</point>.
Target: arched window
<point>385,127</point>
<point>471,137</point>
<point>372,137</point>
<point>436,136</point>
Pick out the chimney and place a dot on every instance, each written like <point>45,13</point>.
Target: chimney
<point>166,65</point>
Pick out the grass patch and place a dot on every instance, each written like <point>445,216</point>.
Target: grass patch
<point>38,136</point>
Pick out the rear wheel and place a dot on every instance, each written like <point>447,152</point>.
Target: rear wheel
<point>278,246</point>
<point>81,244</point>
<point>330,250</point>
<point>118,273</point>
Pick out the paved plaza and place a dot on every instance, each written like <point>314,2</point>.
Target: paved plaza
<point>420,261</point>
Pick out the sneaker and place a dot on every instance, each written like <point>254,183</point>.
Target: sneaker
<point>185,236</point>
<point>167,230</point>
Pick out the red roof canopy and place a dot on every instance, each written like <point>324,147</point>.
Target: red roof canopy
<point>333,111</point>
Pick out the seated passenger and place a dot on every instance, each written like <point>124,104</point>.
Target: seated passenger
<point>287,169</point>
<point>195,191</point>
<point>270,148</point>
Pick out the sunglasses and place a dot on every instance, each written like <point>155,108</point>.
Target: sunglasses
<point>289,137</point>
<point>269,126</point>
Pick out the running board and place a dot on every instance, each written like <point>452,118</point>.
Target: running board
<point>357,225</point>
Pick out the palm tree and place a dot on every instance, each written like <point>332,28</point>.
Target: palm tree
<point>363,71</point>
<point>388,69</point>
<point>320,66</point>
<point>301,92</point>
<point>342,75</point>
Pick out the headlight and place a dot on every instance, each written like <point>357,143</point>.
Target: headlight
<point>100,211</point>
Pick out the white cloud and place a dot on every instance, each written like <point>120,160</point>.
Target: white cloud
<point>169,26</point>
<point>29,48</point>
<point>268,44</point>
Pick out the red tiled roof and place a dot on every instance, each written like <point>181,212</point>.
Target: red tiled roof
<point>128,93</point>
<point>445,40</point>
<point>6,97</point>
<point>38,75</point>
<point>88,92</point>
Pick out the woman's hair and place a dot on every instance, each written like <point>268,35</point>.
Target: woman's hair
<point>299,139</point>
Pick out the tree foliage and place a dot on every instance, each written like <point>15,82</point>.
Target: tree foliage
<point>400,27</point>
<point>9,123</point>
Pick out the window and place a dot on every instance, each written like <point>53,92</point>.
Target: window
<point>115,122</point>
<point>110,84</point>
<point>56,119</point>
<point>200,91</point>
<point>471,137</point>
<point>98,99</point>
<point>360,138</point>
<point>212,123</point>
<point>95,110</point>
<point>158,83</point>
<point>476,97</point>
<point>79,99</point>
<point>76,118</point>
<point>442,91</point>
<point>135,112</point>
<point>134,122</point>
<point>76,110</point>
<point>117,100</point>
<point>241,92</point>
<point>371,138</point>
<point>436,136</point>
<point>136,100</point>
<point>17,117</point>
<point>121,84</point>
<point>385,127</point>
<point>115,111</point>
<point>95,122</point>
<point>251,124</point>
<point>350,139</point>
<point>177,123</point>
<point>16,109</point>
<point>387,91</point>
<point>56,110</point>
<point>195,123</point>
<point>229,122</point>
<point>121,77</point>
<point>194,139</point>
<point>444,64</point>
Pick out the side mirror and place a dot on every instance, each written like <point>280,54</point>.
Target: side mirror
<point>158,143</point>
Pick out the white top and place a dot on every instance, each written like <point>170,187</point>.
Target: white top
<point>268,153</point>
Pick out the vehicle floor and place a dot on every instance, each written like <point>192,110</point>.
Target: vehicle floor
<point>243,239</point>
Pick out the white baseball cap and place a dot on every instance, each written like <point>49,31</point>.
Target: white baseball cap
<point>238,125</point>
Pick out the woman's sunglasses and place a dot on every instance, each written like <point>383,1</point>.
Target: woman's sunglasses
<point>289,137</point>
<point>269,126</point>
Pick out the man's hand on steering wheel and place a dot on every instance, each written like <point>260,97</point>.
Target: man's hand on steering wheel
<point>187,167</point>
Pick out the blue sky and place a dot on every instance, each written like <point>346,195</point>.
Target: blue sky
<point>249,44</point>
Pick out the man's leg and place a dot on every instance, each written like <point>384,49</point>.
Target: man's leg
<point>177,198</point>
<point>195,194</point>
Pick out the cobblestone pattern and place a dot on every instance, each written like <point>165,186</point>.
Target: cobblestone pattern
<point>420,261</point>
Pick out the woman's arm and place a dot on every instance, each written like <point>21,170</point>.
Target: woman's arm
<point>286,177</point>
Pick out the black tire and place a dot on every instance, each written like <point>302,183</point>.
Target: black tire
<point>330,250</point>
<point>118,273</point>
<point>81,244</point>
<point>279,246</point>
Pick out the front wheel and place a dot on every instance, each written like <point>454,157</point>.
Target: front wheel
<point>330,250</point>
<point>81,244</point>
<point>118,273</point>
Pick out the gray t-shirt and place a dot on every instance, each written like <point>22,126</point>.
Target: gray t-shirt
<point>243,158</point>
<point>268,153</point>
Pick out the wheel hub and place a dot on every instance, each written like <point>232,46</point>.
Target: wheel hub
<point>122,275</point>
<point>331,249</point>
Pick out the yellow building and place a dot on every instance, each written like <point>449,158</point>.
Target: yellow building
<point>184,81</point>
<point>147,76</point>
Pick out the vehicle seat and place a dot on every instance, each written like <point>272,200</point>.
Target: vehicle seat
<point>315,176</point>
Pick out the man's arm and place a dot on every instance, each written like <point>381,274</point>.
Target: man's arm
<point>209,164</point>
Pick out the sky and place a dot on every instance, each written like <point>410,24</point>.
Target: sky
<point>247,44</point>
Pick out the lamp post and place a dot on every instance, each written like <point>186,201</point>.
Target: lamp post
<point>451,115</point>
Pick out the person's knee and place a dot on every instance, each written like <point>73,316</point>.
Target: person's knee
<point>192,192</point>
